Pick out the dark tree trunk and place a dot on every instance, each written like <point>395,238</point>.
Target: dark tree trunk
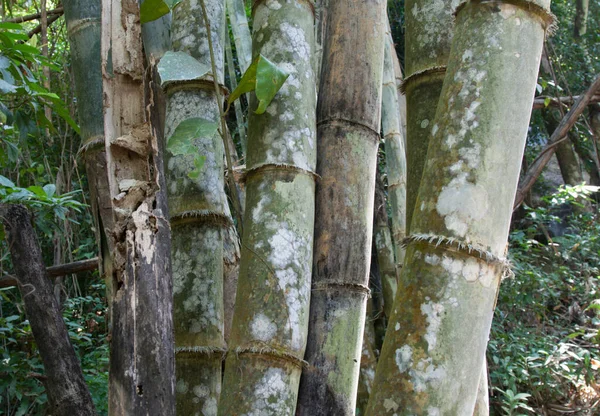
<point>66,389</point>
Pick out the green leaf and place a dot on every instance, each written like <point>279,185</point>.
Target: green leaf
<point>547,101</point>
<point>38,190</point>
<point>265,78</point>
<point>4,181</point>
<point>152,10</point>
<point>198,163</point>
<point>172,3</point>
<point>50,190</point>
<point>180,142</point>
<point>10,26</point>
<point>179,66</point>
<point>7,88</point>
<point>246,84</point>
<point>269,79</point>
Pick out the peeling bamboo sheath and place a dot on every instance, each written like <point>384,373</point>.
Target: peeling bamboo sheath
<point>270,322</point>
<point>199,215</point>
<point>395,154</point>
<point>348,137</point>
<point>141,379</point>
<point>432,356</point>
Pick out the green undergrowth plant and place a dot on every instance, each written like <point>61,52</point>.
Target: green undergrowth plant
<point>544,347</point>
<point>21,370</point>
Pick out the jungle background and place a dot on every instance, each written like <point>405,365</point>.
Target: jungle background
<point>543,353</point>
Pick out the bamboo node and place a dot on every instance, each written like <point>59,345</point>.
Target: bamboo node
<point>353,287</point>
<point>275,167</point>
<point>267,350</point>
<point>421,75</point>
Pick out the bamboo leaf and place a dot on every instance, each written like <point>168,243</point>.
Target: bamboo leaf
<point>152,10</point>
<point>180,142</point>
<point>179,66</point>
<point>269,79</point>
<point>10,26</point>
<point>263,77</point>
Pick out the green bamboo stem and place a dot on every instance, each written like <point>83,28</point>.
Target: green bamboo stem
<point>241,32</point>
<point>270,322</point>
<point>199,216</point>
<point>433,352</point>
<point>427,46</point>
<point>348,138</point>
<point>368,362</point>
<point>395,156</point>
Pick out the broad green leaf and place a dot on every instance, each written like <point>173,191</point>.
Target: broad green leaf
<point>264,78</point>
<point>547,101</point>
<point>50,190</point>
<point>28,49</point>
<point>4,181</point>
<point>180,142</point>
<point>269,79</point>
<point>10,26</point>
<point>4,62</point>
<point>152,10</point>
<point>38,190</point>
<point>198,163</point>
<point>179,66</point>
<point>7,88</point>
<point>246,84</point>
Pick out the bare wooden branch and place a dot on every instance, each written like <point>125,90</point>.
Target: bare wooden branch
<point>561,131</point>
<point>38,28</point>
<point>540,102</point>
<point>67,391</point>
<point>56,271</point>
<point>54,12</point>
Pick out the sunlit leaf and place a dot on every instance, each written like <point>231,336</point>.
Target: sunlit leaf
<point>269,79</point>
<point>179,66</point>
<point>180,142</point>
<point>50,190</point>
<point>4,181</point>
<point>152,10</point>
<point>199,164</point>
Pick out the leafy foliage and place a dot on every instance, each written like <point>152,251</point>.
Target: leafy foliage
<point>544,335</point>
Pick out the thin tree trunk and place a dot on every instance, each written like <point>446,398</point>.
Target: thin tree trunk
<point>395,155</point>
<point>368,362</point>
<point>429,27</point>
<point>348,138</point>
<point>67,392</point>
<point>568,162</point>
<point>239,114</point>
<point>433,352</point>
<point>270,322</point>
<point>535,170</point>
<point>385,249</point>
<point>200,216</point>
<point>141,378</point>
<point>581,17</point>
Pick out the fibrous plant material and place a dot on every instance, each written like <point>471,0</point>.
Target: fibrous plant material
<point>433,352</point>
<point>270,322</point>
<point>67,392</point>
<point>141,376</point>
<point>385,249</point>
<point>427,46</point>
<point>348,138</point>
<point>199,212</point>
<point>395,156</point>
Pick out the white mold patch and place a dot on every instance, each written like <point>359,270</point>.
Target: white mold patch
<point>273,4</point>
<point>390,406</point>
<point>426,374</point>
<point>404,358</point>
<point>272,394</point>
<point>433,313</point>
<point>263,328</point>
<point>460,203</point>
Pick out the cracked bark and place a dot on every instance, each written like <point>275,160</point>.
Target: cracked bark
<point>141,377</point>
<point>67,392</point>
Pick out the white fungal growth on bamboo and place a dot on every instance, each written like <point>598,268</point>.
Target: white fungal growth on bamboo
<point>472,270</point>
<point>461,203</point>
<point>272,394</point>
<point>425,373</point>
<point>404,358</point>
<point>433,313</point>
<point>263,328</point>
<point>390,405</point>
<point>144,235</point>
<point>433,411</point>
<point>434,19</point>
